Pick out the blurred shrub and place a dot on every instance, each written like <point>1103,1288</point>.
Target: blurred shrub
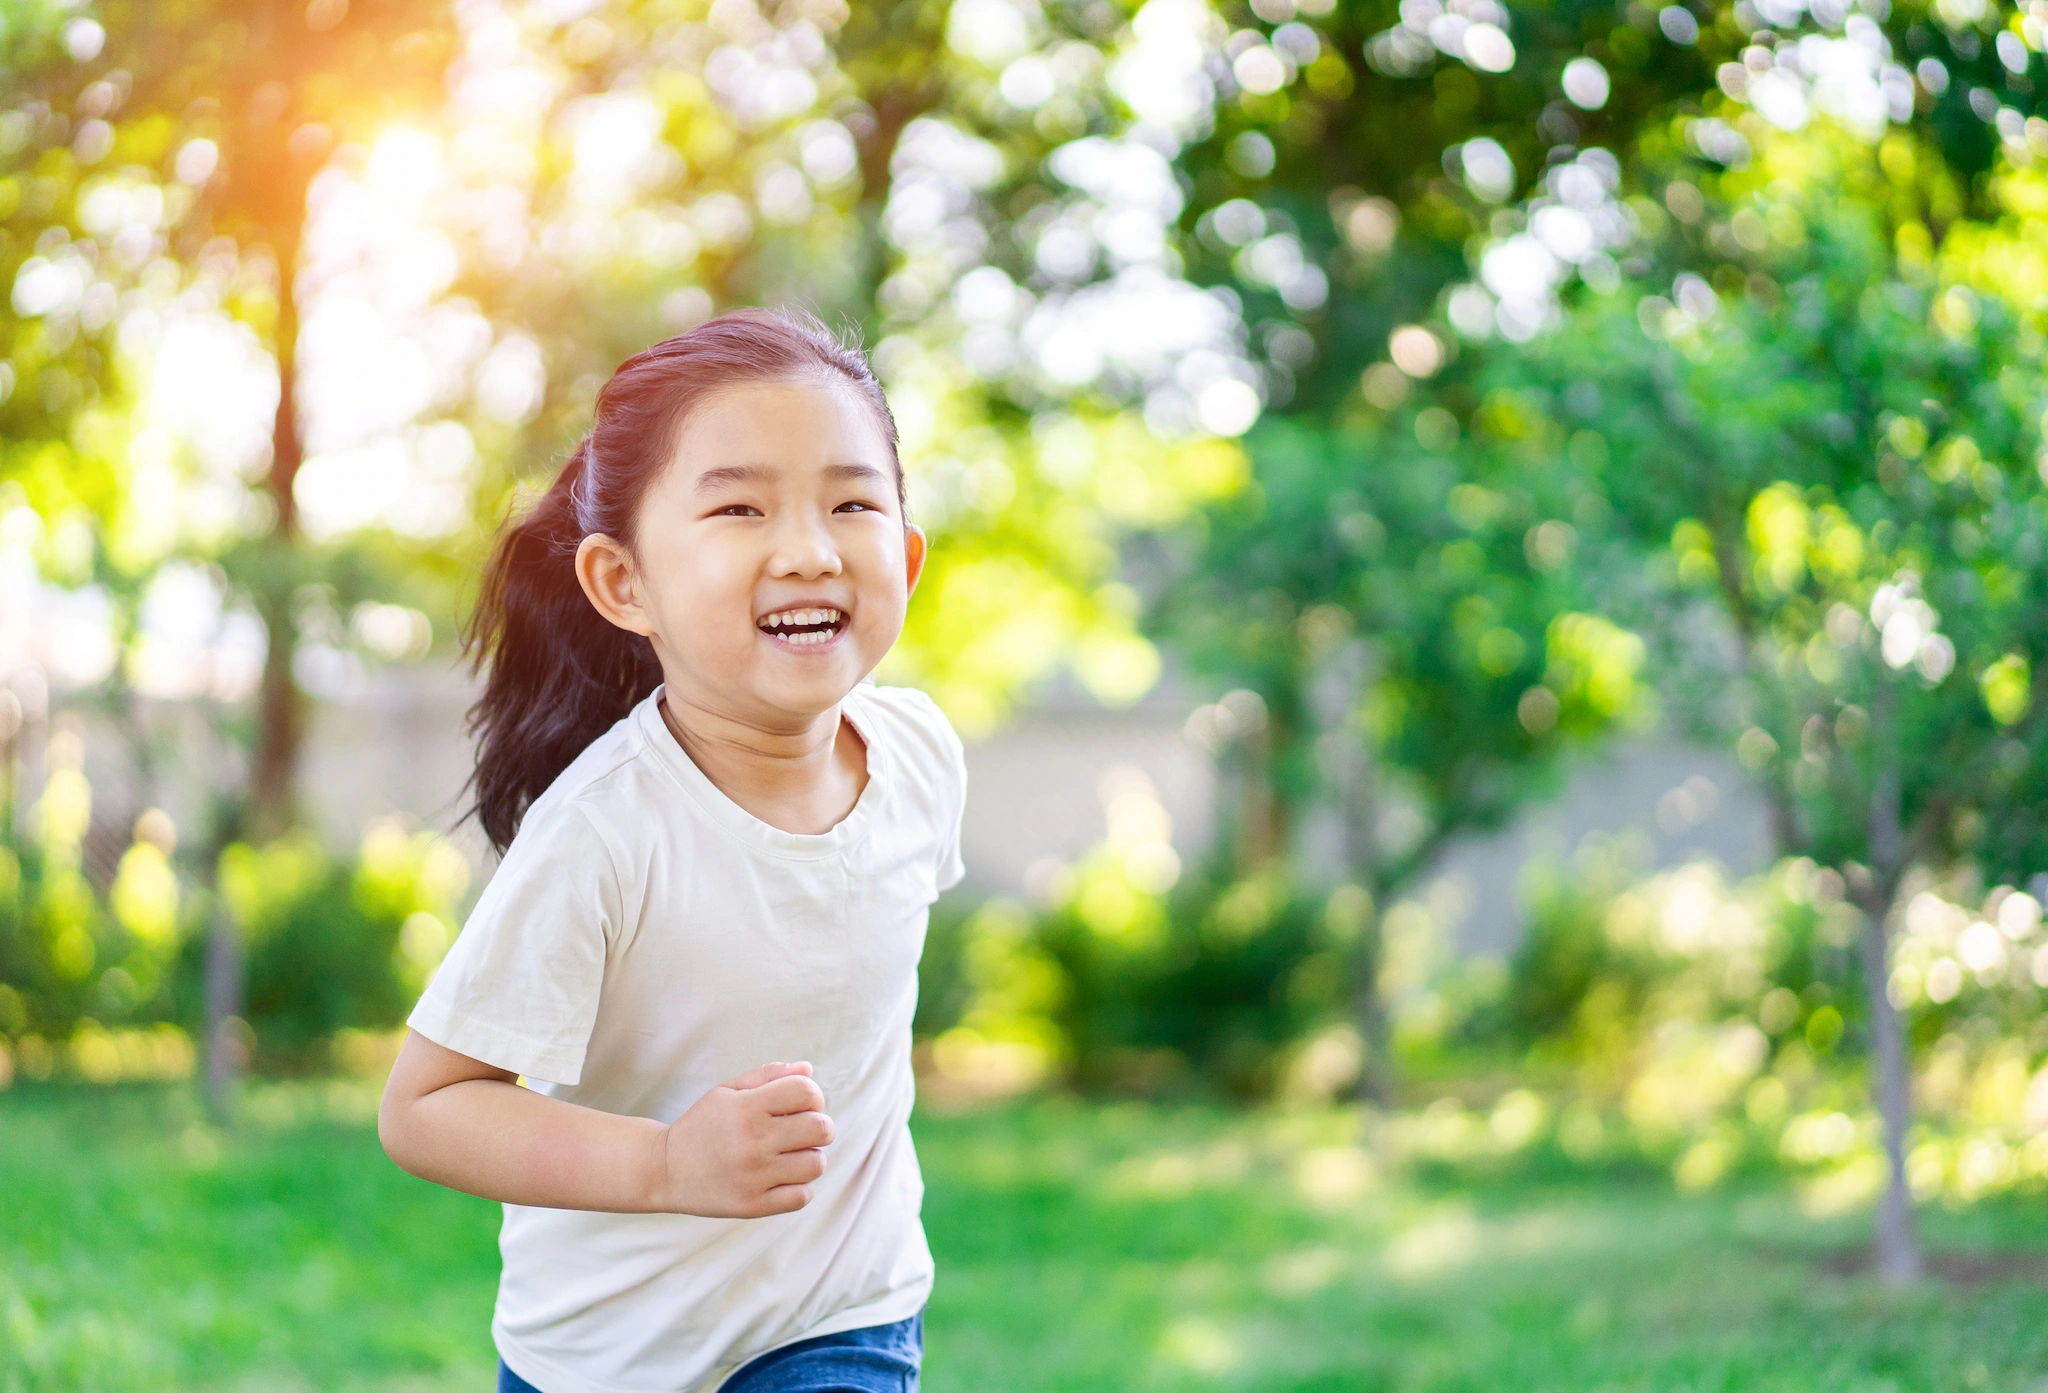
<point>1674,1020</point>
<point>1123,984</point>
<point>331,944</point>
<point>1568,976</point>
<point>72,955</point>
<point>1709,1026</point>
<point>105,982</point>
<point>1216,979</point>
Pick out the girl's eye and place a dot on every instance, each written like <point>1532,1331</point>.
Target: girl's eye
<point>738,510</point>
<point>851,504</point>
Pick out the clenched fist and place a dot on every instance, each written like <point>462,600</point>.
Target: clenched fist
<point>750,1147</point>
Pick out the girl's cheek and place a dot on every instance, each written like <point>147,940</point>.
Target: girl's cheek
<point>887,618</point>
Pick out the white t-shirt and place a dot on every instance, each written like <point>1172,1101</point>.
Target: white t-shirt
<point>647,939</point>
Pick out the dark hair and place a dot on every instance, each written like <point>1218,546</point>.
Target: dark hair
<point>558,673</point>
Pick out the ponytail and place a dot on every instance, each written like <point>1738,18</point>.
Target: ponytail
<point>557,673</point>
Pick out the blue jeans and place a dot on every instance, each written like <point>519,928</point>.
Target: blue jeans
<point>877,1359</point>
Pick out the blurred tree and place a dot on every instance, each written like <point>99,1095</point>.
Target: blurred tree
<point>1339,197</point>
<point>1832,460</point>
<point>462,222</point>
<point>1045,356</point>
<point>216,116</point>
<point>1396,601</point>
<point>210,121</point>
<point>1312,175</point>
<point>622,174</point>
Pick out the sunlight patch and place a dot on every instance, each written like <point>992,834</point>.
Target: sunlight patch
<point>1433,1246</point>
<point>1848,1187</point>
<point>1303,1272</point>
<point>1200,1346</point>
<point>1176,1174</point>
<point>1333,1177</point>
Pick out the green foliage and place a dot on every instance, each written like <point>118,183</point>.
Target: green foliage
<point>1118,988</point>
<point>70,954</point>
<point>1832,474</point>
<point>108,208</point>
<point>1367,169</point>
<point>1605,946</point>
<point>332,944</point>
<point>1566,956</point>
<point>324,965</point>
<point>1398,603</point>
<point>1709,1026</point>
<point>51,930</point>
<point>1222,981</point>
<point>329,943</point>
<point>1473,671</point>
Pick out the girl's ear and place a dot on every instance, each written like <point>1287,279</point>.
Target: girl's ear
<point>914,545</point>
<point>604,569</point>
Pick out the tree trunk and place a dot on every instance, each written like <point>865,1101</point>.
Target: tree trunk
<point>222,977</point>
<point>1257,834</point>
<point>1897,1246</point>
<point>1378,1083</point>
<point>1339,689</point>
<point>272,806</point>
<point>225,1032</point>
<point>1782,807</point>
<point>280,713</point>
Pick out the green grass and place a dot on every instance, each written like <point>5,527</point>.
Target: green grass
<point>1080,1248</point>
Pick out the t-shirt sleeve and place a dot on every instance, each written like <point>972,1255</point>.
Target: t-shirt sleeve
<point>519,988</point>
<point>953,789</point>
<point>951,866</point>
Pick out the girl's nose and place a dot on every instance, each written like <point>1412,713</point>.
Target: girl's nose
<point>804,549</point>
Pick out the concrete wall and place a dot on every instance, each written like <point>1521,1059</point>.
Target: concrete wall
<point>1035,798</point>
<point>1033,789</point>
<point>1680,803</point>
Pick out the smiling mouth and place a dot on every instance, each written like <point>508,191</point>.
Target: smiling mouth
<point>803,628</point>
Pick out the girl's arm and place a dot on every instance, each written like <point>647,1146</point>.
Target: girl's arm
<point>748,1148</point>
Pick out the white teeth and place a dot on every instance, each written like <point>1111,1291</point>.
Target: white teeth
<point>802,618</point>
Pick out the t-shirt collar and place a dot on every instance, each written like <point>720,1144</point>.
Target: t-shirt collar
<point>667,752</point>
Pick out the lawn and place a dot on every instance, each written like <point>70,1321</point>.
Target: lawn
<point>1080,1248</point>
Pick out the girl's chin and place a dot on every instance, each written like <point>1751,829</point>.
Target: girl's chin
<point>808,675</point>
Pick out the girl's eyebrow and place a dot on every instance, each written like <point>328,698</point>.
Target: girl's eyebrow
<point>712,480</point>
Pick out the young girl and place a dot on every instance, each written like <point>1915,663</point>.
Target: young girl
<point>719,846</point>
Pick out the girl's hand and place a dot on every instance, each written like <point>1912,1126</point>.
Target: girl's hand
<point>748,1148</point>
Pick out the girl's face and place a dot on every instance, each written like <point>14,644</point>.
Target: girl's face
<point>771,563</point>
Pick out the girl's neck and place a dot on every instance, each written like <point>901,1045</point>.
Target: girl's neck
<point>803,778</point>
